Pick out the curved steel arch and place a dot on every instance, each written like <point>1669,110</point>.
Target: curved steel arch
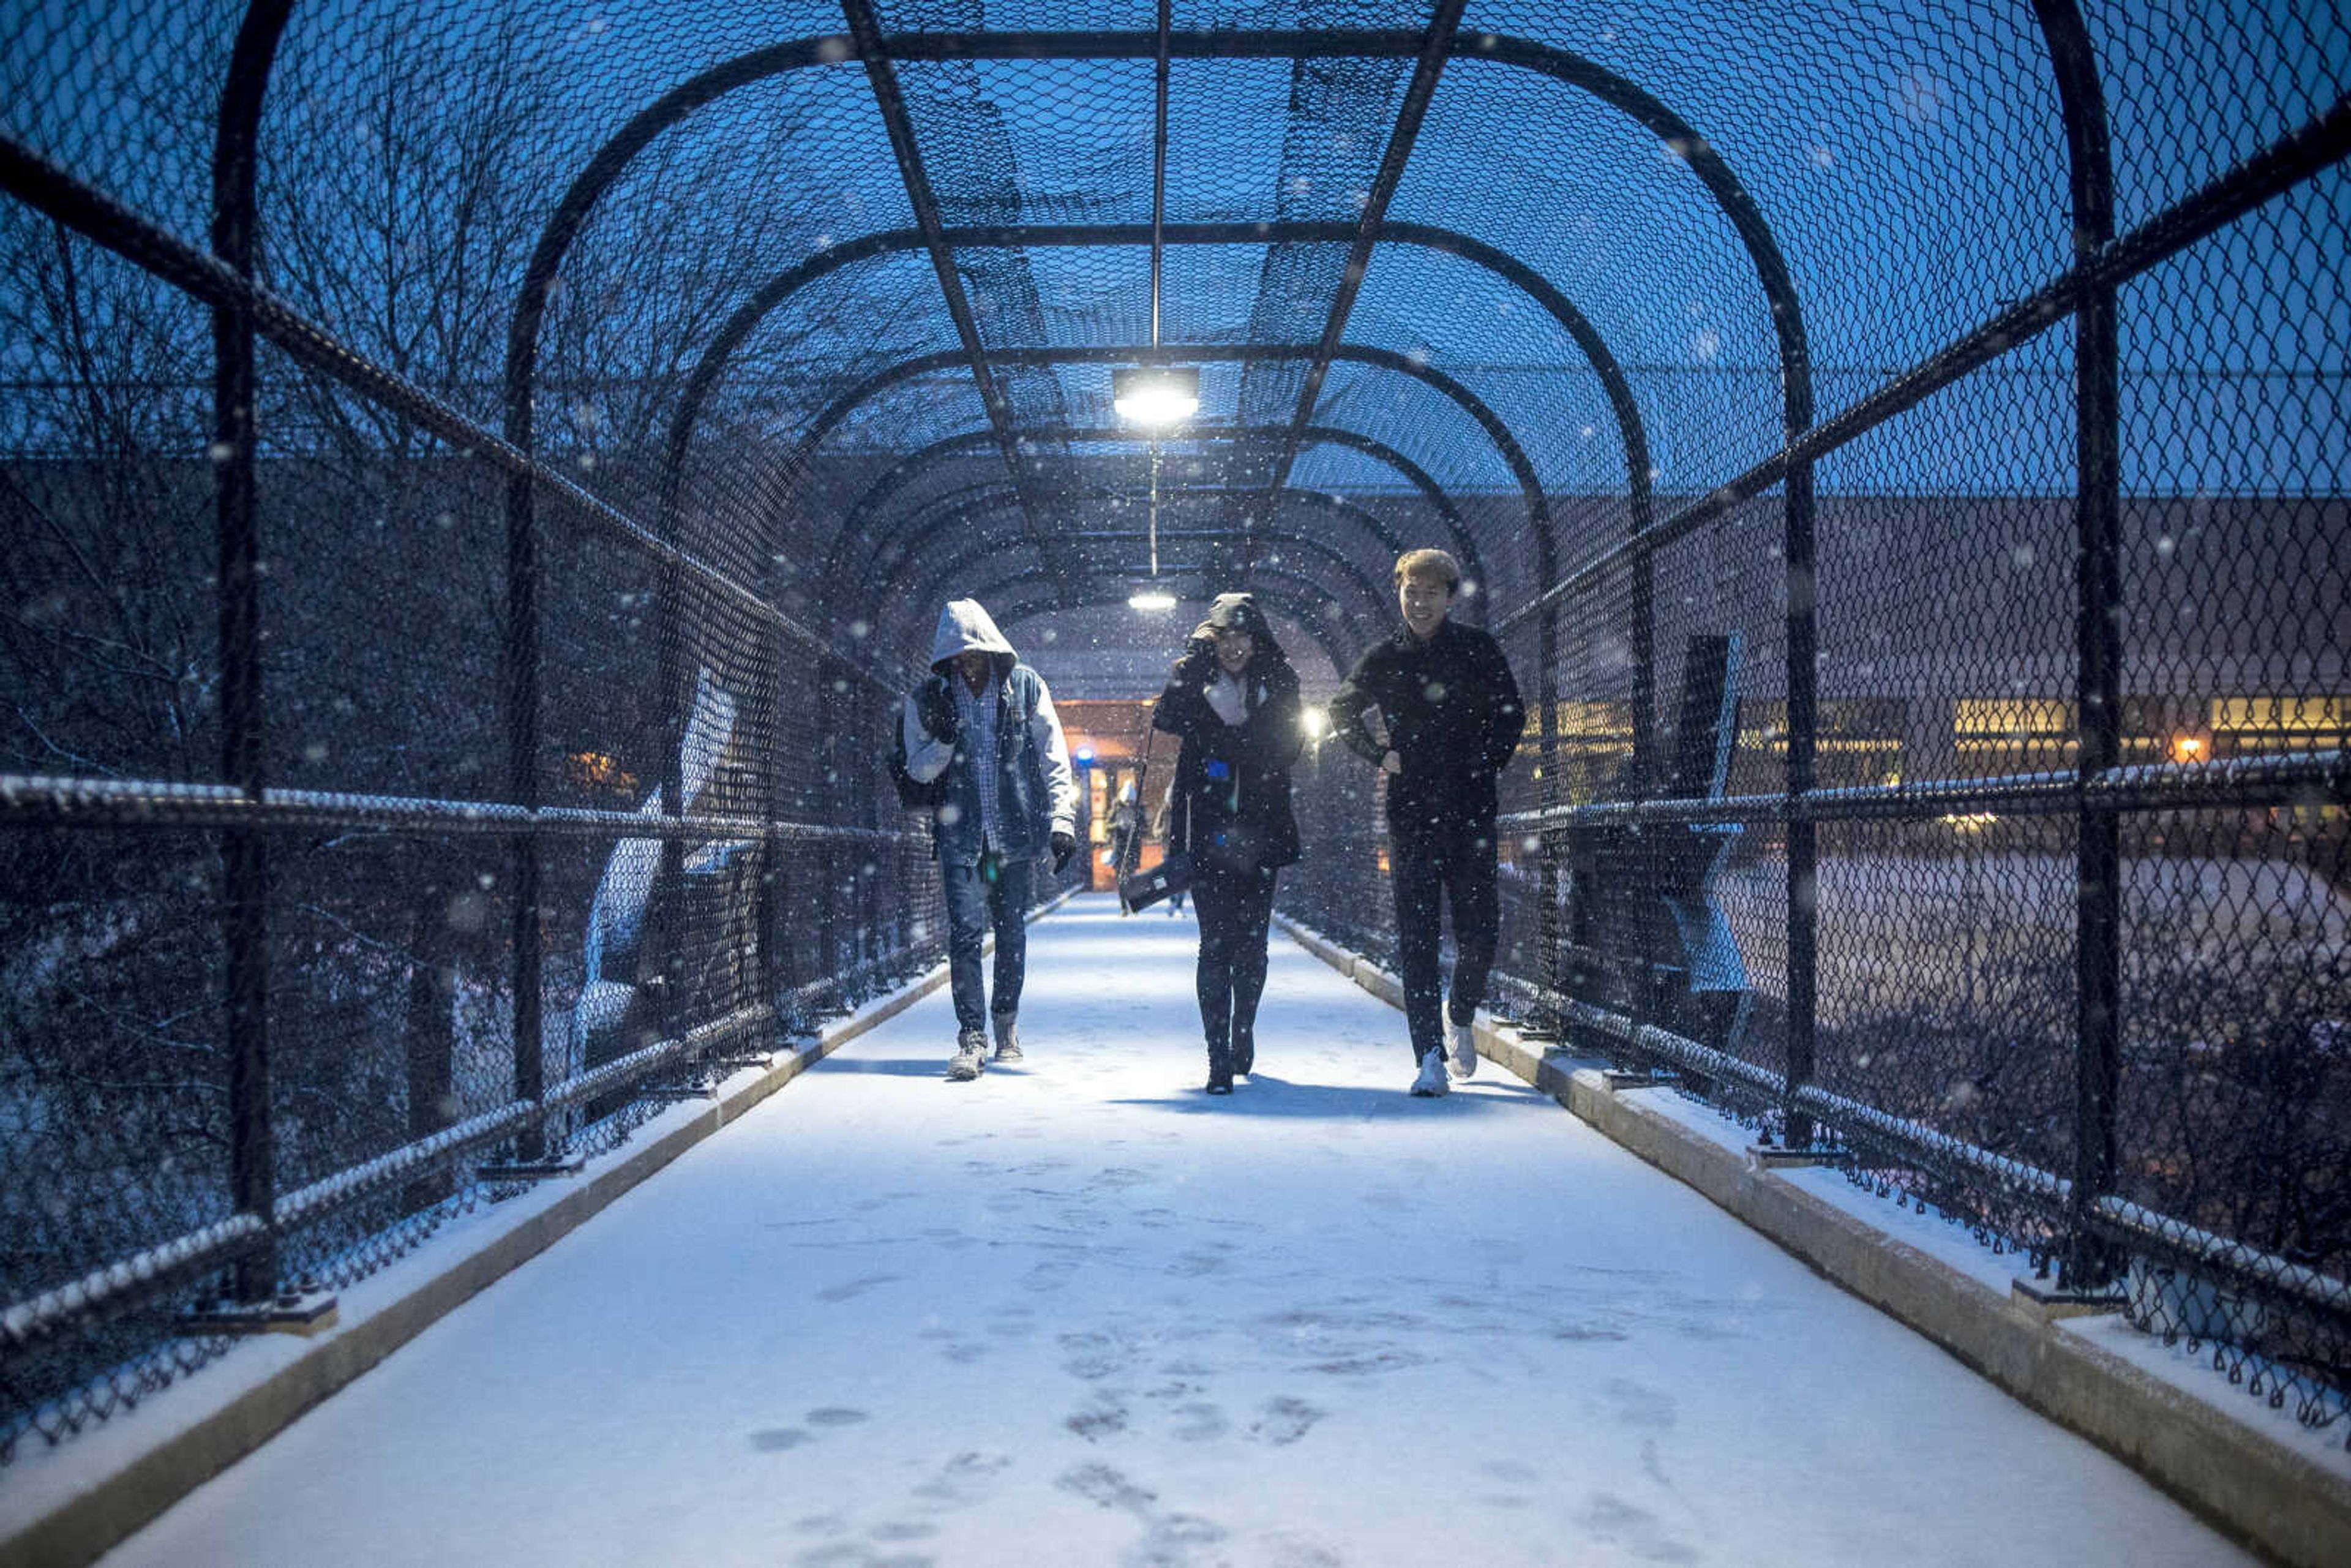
<point>885,544</point>
<point>1304,600</point>
<point>893,550</point>
<point>1287,591</point>
<point>994,497</point>
<point>901,473</point>
<point>780,290</point>
<point>1374,604</point>
<point>1644,108</point>
<point>1714,174</point>
<point>1513,455</point>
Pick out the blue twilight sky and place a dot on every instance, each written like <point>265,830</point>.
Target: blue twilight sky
<point>1907,159</point>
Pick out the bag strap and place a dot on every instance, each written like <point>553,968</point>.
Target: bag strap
<point>1142,797</point>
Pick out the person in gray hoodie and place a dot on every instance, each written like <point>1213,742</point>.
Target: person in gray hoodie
<point>984,722</point>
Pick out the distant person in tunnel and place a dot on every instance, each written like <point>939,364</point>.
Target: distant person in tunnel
<point>1125,831</point>
<point>1232,701</point>
<point>984,721</point>
<point>1435,709</point>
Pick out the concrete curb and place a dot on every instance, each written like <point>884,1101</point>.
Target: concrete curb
<point>93,1521</point>
<point>2239,1479</point>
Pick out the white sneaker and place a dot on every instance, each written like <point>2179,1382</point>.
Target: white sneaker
<point>1461,1059</point>
<point>1007,1038</point>
<point>1432,1080</point>
<point>970,1057</point>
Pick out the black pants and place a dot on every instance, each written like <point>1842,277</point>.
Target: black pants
<point>1234,910</point>
<point>1454,861</point>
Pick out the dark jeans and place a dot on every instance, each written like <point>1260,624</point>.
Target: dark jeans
<point>1235,910</point>
<point>1455,861</point>
<point>988,893</point>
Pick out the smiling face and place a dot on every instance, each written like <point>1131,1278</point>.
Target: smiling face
<point>1234,647</point>
<point>1426,598</point>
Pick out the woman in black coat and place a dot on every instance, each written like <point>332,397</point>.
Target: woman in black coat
<point>1232,699</point>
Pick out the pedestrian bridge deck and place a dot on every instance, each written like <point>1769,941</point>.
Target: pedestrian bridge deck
<point>1079,1312</point>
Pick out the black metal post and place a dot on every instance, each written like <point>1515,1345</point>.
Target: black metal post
<point>1804,843</point>
<point>519,683</point>
<point>522,704</point>
<point>244,854</point>
<point>2089,1266</point>
<point>430,1032</point>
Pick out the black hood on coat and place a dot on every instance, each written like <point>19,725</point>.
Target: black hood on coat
<point>1240,612</point>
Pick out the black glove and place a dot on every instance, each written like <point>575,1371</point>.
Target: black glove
<point>1064,846</point>
<point>935,706</point>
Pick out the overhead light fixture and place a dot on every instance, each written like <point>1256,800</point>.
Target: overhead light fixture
<point>1151,599</point>
<point>1155,396</point>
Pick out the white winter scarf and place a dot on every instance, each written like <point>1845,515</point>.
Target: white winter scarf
<point>1227,698</point>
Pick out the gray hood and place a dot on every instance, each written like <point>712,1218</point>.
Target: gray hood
<point>964,625</point>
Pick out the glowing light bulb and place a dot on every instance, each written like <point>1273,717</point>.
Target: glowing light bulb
<point>1156,396</point>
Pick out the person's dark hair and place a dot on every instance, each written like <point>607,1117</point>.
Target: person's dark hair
<point>1240,612</point>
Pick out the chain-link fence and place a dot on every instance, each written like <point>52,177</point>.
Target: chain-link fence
<point>1960,794</point>
<point>402,803</point>
<point>479,478</point>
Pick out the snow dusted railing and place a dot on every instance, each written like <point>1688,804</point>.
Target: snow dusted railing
<point>2150,1236</point>
<point>2274,778</point>
<point>46,800</point>
<point>155,1269</point>
<point>644,1062</point>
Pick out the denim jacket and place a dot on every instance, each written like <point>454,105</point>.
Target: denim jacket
<point>1036,790</point>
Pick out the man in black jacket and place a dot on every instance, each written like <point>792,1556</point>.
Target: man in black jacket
<point>1434,707</point>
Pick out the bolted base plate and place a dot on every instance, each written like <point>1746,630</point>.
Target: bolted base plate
<point>291,1311</point>
<point>681,1092</point>
<point>1771,1156</point>
<point>762,1061</point>
<point>533,1170</point>
<point>2044,1297</point>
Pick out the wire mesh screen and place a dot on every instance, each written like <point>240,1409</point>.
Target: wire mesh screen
<point>479,482</point>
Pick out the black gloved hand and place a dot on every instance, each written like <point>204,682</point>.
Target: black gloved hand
<point>935,706</point>
<point>1064,846</point>
<point>1192,666</point>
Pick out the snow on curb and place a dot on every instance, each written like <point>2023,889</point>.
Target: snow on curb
<point>2242,1481</point>
<point>72,1503</point>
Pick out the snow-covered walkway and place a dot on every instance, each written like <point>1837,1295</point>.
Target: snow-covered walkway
<point>1078,1313</point>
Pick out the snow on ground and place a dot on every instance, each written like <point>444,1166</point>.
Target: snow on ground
<point>1079,1312</point>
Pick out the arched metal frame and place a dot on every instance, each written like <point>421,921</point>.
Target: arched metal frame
<point>941,567</point>
<point>932,518</point>
<point>1505,443</point>
<point>1712,172</point>
<point>1288,591</point>
<point>2091,1264</point>
<point>764,301</point>
<point>907,468</point>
